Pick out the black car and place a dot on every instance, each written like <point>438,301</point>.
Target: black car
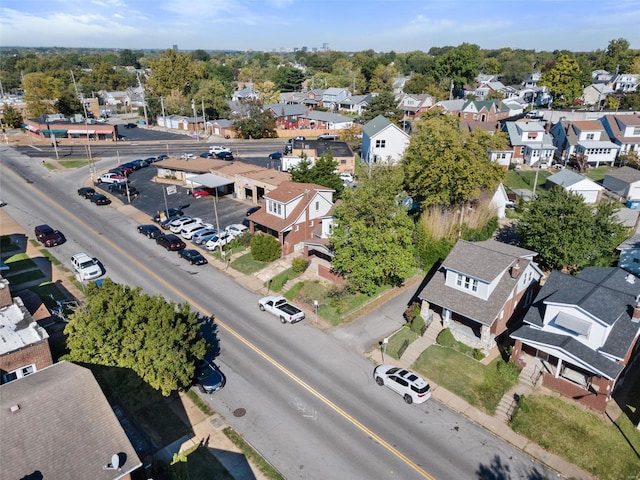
<point>209,377</point>
<point>130,125</point>
<point>121,189</point>
<point>132,165</point>
<point>252,210</point>
<point>151,160</point>
<point>275,156</point>
<point>86,192</point>
<point>206,155</point>
<point>171,212</point>
<point>171,242</point>
<point>164,156</point>
<point>140,163</point>
<point>48,236</point>
<point>224,155</point>
<point>150,231</point>
<point>100,199</point>
<point>194,257</point>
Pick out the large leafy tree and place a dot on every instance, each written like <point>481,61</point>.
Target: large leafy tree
<point>446,166</point>
<point>120,326</point>
<point>12,117</point>
<point>215,95</point>
<point>618,57</point>
<point>569,234</point>
<point>323,172</point>
<point>384,104</point>
<point>460,64</point>
<point>40,93</point>
<point>372,237</point>
<point>256,123</point>
<point>564,81</point>
<point>288,79</point>
<point>173,71</point>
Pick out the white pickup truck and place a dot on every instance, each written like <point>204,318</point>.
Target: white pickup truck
<point>279,307</point>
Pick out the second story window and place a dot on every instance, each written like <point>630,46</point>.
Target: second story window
<point>381,143</point>
<point>467,283</point>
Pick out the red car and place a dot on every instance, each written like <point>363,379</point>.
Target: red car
<point>202,192</point>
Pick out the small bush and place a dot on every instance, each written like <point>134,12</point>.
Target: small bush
<point>412,312</point>
<point>445,338</point>
<point>417,325</point>
<point>265,248</point>
<point>299,265</point>
<point>477,354</point>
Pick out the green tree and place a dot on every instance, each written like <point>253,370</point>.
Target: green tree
<point>446,166</point>
<point>288,79</point>
<point>40,93</point>
<point>123,327</point>
<point>265,248</point>
<point>68,104</point>
<point>567,233</point>
<point>173,71</point>
<point>323,172</point>
<point>563,80</point>
<point>460,64</point>
<point>372,237</point>
<point>200,55</point>
<point>12,117</point>
<point>129,59</point>
<point>255,124</point>
<point>630,101</point>
<point>215,96</point>
<point>384,104</point>
<point>382,78</point>
<point>618,57</point>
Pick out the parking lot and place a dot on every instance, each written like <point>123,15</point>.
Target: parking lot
<point>151,199</point>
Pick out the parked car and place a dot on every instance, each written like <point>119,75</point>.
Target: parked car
<point>228,156</point>
<point>100,199</point>
<point>346,177</point>
<point>111,177</point>
<point>188,230</point>
<point>414,389</point>
<point>130,125</point>
<point>187,156</point>
<point>218,241</point>
<point>281,308</point>
<point>162,156</point>
<point>86,192</point>
<point>194,257</point>
<point>85,266</point>
<point>218,148</point>
<point>150,231</point>
<point>251,211</point>
<point>141,163</point>
<point>299,138</point>
<point>121,188</point>
<point>165,223</point>
<point>171,242</point>
<point>204,235</point>
<point>170,212</point>
<point>122,170</point>
<point>206,155</point>
<point>48,236</point>
<point>327,136</point>
<point>177,225</point>
<point>236,229</point>
<point>275,156</point>
<point>199,192</point>
<point>131,166</point>
<point>209,377</point>
<point>151,160</point>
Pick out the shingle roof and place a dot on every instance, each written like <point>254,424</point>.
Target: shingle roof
<point>625,174</point>
<point>64,427</point>
<point>566,178</point>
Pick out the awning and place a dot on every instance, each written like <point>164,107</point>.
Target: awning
<point>29,127</point>
<point>80,132</point>
<point>54,132</point>
<point>210,180</point>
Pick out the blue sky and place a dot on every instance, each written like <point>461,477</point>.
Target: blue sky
<point>347,25</point>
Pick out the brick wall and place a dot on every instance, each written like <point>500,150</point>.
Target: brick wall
<point>589,398</point>
<point>38,354</point>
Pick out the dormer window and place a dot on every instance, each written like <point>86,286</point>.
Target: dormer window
<point>467,283</point>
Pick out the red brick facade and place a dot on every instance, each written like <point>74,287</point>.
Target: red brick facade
<point>38,354</point>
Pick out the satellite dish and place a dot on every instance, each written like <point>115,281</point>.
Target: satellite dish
<point>115,461</point>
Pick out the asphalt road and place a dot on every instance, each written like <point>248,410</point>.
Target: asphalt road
<point>312,407</point>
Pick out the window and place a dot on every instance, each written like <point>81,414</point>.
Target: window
<point>18,373</point>
<point>317,206</point>
<point>381,143</point>
<point>311,223</point>
<point>590,136</point>
<point>279,209</point>
<point>467,283</point>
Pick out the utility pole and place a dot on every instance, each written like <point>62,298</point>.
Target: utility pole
<point>195,119</point>
<point>164,118</point>
<point>92,166</point>
<point>144,102</point>
<point>204,119</point>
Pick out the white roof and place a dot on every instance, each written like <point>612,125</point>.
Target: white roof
<point>15,331</point>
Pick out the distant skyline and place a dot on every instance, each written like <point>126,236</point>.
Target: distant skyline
<point>348,25</point>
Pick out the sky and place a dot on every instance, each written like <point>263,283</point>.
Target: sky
<point>344,25</point>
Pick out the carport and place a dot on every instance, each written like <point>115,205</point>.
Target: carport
<point>210,180</point>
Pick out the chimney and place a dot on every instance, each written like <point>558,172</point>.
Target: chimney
<point>635,318</point>
<point>515,269</point>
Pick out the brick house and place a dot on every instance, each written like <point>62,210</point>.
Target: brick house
<point>24,345</point>
<point>479,288</point>
<point>581,332</point>
<point>291,212</point>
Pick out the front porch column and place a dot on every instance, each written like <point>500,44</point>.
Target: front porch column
<point>485,337</point>
<point>446,318</point>
<point>556,374</point>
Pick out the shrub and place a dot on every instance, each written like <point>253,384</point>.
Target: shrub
<point>242,241</point>
<point>445,338</point>
<point>418,326</point>
<point>265,248</point>
<point>477,354</point>
<point>299,265</point>
<point>412,312</point>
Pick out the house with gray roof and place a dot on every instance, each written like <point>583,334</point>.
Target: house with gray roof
<point>585,139</point>
<point>624,131</point>
<point>383,141</point>
<point>530,142</point>
<point>630,254</point>
<point>573,182</point>
<point>581,332</point>
<point>625,182</point>
<point>315,119</point>
<point>57,423</point>
<point>480,288</point>
<point>286,115</point>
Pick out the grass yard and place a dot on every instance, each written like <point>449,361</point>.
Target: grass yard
<point>24,277</point>
<point>607,451</point>
<point>397,340</point>
<point>198,464</point>
<point>283,277</point>
<point>481,385</point>
<point>597,174</point>
<point>524,179</point>
<point>247,265</point>
<point>75,162</point>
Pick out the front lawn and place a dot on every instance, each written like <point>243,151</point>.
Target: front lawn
<point>480,385</point>
<point>610,452</point>
<point>524,179</point>
<point>397,340</point>
<point>247,265</point>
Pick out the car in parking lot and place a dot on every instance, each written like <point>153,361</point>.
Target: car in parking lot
<point>200,192</point>
<point>86,192</point>
<point>85,266</point>
<point>194,257</point>
<point>171,242</point>
<point>224,156</point>
<point>48,236</point>
<point>131,166</point>
<point>149,231</point>
<point>188,230</point>
<point>203,235</point>
<point>206,155</point>
<point>236,229</point>
<point>130,125</point>
<point>218,148</point>
<point>209,377</point>
<point>151,160</point>
<point>141,163</point>
<point>100,199</point>
<point>250,212</point>
<point>346,177</point>
<point>275,156</point>
<point>170,212</point>
<point>177,225</point>
<point>122,188</point>
<point>327,136</point>
<point>218,241</point>
<point>162,156</point>
<point>413,388</point>
<point>165,223</point>
<point>111,177</point>
<point>187,155</point>
<point>122,170</point>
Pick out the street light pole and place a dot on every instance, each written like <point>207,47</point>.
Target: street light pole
<point>195,119</point>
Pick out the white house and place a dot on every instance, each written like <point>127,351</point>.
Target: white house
<point>587,139</point>
<point>531,144</point>
<point>576,183</point>
<point>624,131</point>
<point>625,182</point>
<point>383,142</point>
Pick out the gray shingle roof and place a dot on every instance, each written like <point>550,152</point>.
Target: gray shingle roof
<point>565,178</point>
<point>64,428</point>
<point>625,174</point>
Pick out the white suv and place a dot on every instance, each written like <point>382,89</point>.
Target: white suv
<point>86,267</point>
<point>413,388</point>
<point>188,230</point>
<point>218,148</point>
<point>179,223</point>
<point>218,241</point>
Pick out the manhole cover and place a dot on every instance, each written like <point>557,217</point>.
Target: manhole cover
<point>239,412</point>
